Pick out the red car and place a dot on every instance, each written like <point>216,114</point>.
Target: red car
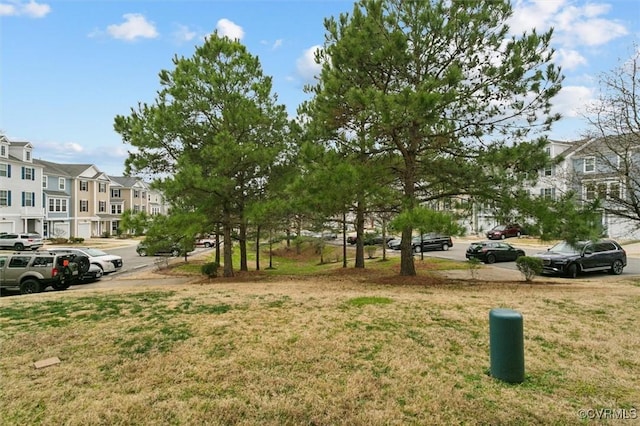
<point>501,232</point>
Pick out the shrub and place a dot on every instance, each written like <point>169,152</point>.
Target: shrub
<point>210,269</point>
<point>474,264</point>
<point>529,266</point>
<point>76,240</point>
<point>371,251</point>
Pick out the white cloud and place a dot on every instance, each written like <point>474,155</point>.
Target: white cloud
<point>306,65</point>
<point>135,26</point>
<point>573,25</point>
<point>32,9</point>
<point>277,44</point>
<point>229,29</point>
<point>183,34</point>
<point>569,59</point>
<point>571,101</point>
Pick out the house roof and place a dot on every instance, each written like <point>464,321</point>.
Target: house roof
<point>128,181</point>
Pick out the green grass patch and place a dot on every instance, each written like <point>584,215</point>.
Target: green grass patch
<point>369,300</point>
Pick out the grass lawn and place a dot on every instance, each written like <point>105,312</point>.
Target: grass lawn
<point>335,347</point>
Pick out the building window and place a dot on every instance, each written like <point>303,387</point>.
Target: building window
<point>116,209</point>
<point>84,185</point>
<point>3,151</point>
<point>136,208</point>
<point>548,193</point>
<point>614,191</point>
<point>102,206</point>
<point>44,181</point>
<point>590,192</point>
<point>115,193</point>
<point>602,191</point>
<point>57,205</point>
<point>590,164</point>
<point>27,156</point>
<point>28,199</point>
<point>84,205</point>
<point>5,170</point>
<point>548,171</point>
<point>28,173</point>
<point>5,198</point>
<point>102,187</point>
<point>136,193</point>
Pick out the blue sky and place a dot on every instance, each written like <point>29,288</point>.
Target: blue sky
<point>67,68</point>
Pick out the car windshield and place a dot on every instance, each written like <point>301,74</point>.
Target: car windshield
<point>500,228</point>
<point>566,248</point>
<point>95,252</point>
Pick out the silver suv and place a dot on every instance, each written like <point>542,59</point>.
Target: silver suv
<point>32,272</point>
<point>21,241</point>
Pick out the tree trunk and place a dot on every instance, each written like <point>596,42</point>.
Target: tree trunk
<point>228,246</point>
<point>359,235</point>
<point>243,246</point>
<point>258,248</point>
<point>344,239</point>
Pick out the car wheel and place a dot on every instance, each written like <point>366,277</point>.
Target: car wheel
<point>142,252</point>
<point>30,287</point>
<point>99,266</point>
<point>518,234</point>
<point>572,270</point>
<point>19,246</point>
<point>417,249</point>
<point>617,267</point>
<point>207,245</point>
<point>491,258</point>
<point>445,247</point>
<point>502,237</point>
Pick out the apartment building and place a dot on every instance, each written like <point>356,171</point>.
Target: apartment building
<point>21,207</point>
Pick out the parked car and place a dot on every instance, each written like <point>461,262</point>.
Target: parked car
<point>584,256</point>
<point>206,242</point>
<point>21,241</point>
<point>34,271</point>
<point>501,232</point>
<point>108,263</point>
<point>431,242</point>
<point>493,251</point>
<point>94,273</point>
<point>166,248</point>
<point>394,243</point>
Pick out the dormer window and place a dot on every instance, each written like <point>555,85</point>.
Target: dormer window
<point>27,155</point>
<point>590,164</point>
<point>3,150</point>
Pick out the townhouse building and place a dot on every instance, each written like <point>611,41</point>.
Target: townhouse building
<point>66,200</point>
<point>21,204</point>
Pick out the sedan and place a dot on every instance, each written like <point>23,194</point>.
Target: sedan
<point>160,249</point>
<point>501,232</point>
<point>493,251</point>
<point>106,262</point>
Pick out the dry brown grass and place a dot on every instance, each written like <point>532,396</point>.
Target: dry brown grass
<point>301,351</point>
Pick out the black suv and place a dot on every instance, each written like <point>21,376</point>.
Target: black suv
<point>584,256</point>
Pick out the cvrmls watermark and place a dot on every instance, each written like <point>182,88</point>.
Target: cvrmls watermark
<point>608,413</point>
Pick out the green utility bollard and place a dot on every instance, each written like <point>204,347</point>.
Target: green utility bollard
<point>506,345</point>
